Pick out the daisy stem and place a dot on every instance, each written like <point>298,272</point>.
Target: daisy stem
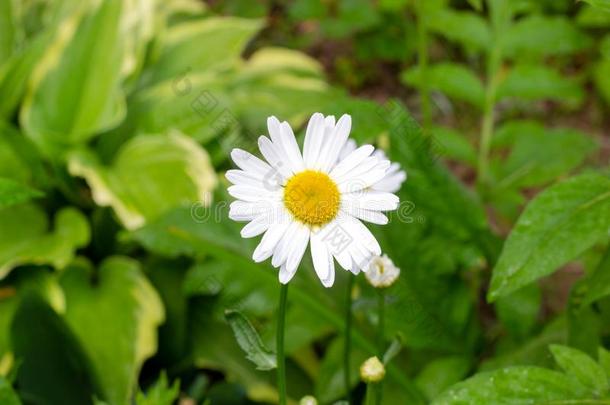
<point>348,335</point>
<point>380,336</point>
<point>369,399</point>
<point>281,358</point>
<point>380,321</point>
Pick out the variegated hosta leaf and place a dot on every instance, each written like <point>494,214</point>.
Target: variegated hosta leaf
<point>74,92</point>
<point>25,237</point>
<point>150,175</point>
<point>115,320</point>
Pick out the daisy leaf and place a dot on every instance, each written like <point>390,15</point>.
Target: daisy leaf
<point>249,340</point>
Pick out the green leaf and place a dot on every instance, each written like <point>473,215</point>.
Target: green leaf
<point>8,30</point>
<point>514,386</point>
<point>198,105</point>
<point>557,226</point>
<point>330,382</point>
<point>577,364</point>
<point>476,4</point>
<point>596,285</point>
<point>602,4</point>
<point>24,282</point>
<point>590,17</point>
<point>150,175</point>
<point>601,73</point>
<point>439,374</point>
<point>538,82</point>
<point>236,289</point>
<point>116,319</point>
<point>25,238</point>
<point>603,357</point>
<point>280,82</point>
<point>464,27</point>
<point>525,166</point>
<point>455,145</point>
<point>538,36</point>
<point>160,393</point>
<point>53,364</point>
<point>519,311</point>
<point>75,88</point>
<point>248,339</point>
<point>14,75</point>
<point>456,81</point>
<point>223,38</point>
<point>215,347</point>
<point>7,395</point>
<point>12,192</point>
<point>531,352</point>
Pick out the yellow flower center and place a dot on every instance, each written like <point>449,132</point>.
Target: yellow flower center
<point>312,197</point>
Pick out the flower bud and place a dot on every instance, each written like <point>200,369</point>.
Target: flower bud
<point>308,400</point>
<point>382,272</point>
<point>372,370</point>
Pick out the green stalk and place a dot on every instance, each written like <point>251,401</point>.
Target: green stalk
<point>380,336</point>
<point>422,60</point>
<point>381,322</point>
<point>501,14</point>
<point>348,336</point>
<point>489,108</point>
<point>370,394</point>
<point>281,358</point>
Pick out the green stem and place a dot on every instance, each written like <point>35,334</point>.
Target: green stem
<point>281,358</point>
<point>381,322</point>
<point>422,59</point>
<point>501,17</point>
<point>369,399</point>
<point>489,109</point>
<point>348,336</point>
<point>380,336</point>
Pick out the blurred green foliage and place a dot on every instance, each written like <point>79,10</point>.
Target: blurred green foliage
<point>118,261</point>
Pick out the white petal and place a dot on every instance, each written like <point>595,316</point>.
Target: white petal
<point>314,137</point>
<point>275,156</point>
<point>284,245</point>
<point>374,217</point>
<point>352,160</point>
<point>241,177</point>
<point>360,179</point>
<point>285,144</point>
<point>257,226</point>
<point>247,211</point>
<point>295,160</point>
<point>322,260</point>
<point>362,234</point>
<point>335,144</point>
<point>265,248</point>
<point>285,274</point>
<point>250,163</point>
<point>370,200</point>
<point>391,182</point>
<point>337,243</point>
<point>253,194</point>
<point>299,245</point>
<point>349,147</point>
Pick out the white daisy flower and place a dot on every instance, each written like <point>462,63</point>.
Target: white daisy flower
<point>311,199</point>
<point>382,272</point>
<point>394,177</point>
